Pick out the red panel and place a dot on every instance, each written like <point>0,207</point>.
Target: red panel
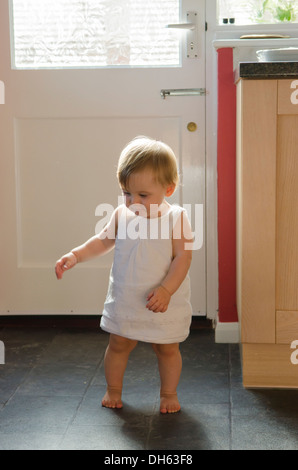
<point>226,167</point>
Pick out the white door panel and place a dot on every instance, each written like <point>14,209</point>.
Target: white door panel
<point>75,165</point>
<point>61,135</point>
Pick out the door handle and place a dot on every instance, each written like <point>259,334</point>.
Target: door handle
<point>183,92</point>
<point>192,41</point>
<point>181,26</point>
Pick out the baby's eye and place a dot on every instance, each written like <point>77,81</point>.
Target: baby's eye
<point>143,195</point>
<point>126,193</point>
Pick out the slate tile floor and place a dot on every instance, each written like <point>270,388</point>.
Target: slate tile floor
<point>53,379</point>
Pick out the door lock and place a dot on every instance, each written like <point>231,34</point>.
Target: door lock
<point>192,126</point>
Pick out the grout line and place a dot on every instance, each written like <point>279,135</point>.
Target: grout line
<point>82,398</point>
<point>19,385</point>
<point>87,388</point>
<point>31,368</point>
<point>150,425</point>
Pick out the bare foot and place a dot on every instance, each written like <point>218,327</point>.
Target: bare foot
<point>169,403</point>
<point>112,398</point>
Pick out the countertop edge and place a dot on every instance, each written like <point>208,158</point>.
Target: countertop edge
<point>266,70</point>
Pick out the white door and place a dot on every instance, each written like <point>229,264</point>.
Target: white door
<point>62,130</point>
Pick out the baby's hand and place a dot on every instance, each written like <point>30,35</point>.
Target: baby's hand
<point>63,264</point>
<point>158,300</point>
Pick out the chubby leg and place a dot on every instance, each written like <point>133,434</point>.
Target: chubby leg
<point>115,361</point>
<point>170,365</point>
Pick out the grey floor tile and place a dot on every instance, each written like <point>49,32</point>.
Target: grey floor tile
<point>77,347</point>
<point>11,377</point>
<point>30,441</point>
<point>57,380</point>
<point>104,437</point>
<point>37,414</point>
<point>25,347</point>
<point>264,432</point>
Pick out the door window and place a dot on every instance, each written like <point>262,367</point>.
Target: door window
<point>93,33</point>
<point>248,12</point>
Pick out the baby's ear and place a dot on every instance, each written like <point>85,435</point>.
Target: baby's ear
<point>170,189</point>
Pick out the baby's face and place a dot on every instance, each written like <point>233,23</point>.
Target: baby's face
<point>144,189</point>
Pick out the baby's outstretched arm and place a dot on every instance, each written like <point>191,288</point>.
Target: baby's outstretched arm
<point>159,298</point>
<point>95,246</point>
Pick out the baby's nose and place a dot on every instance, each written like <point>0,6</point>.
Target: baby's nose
<point>135,200</point>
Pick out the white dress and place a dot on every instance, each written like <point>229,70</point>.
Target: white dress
<point>143,254</point>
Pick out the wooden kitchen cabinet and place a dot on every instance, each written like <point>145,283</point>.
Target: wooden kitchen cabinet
<point>267,230</point>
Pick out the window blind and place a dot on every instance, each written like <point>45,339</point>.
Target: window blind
<point>94,33</point>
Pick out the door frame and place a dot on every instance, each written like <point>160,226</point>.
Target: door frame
<point>211,166</point>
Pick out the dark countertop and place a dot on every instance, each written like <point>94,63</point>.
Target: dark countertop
<point>266,70</point>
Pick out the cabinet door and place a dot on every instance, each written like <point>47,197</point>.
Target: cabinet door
<point>256,181</point>
<point>287,209</point>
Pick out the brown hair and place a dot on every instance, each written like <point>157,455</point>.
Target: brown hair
<point>144,152</point>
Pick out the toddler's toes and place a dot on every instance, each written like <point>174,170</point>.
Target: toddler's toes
<point>112,398</point>
<point>169,403</point>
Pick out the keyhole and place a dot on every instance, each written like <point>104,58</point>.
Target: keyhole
<point>192,127</point>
